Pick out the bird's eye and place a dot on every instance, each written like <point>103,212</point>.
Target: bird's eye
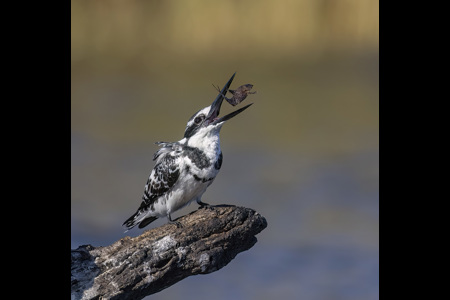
<point>199,119</point>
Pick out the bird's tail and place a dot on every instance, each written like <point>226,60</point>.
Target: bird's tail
<point>138,218</point>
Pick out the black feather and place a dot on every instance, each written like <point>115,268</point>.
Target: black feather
<point>162,178</point>
<point>146,221</point>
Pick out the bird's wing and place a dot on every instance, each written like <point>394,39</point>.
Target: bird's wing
<point>162,178</point>
<point>166,148</point>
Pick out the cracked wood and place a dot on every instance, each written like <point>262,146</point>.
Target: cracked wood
<point>133,268</point>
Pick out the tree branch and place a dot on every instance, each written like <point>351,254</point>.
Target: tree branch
<point>133,268</point>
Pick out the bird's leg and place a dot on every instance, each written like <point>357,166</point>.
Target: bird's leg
<point>203,204</point>
<point>174,222</point>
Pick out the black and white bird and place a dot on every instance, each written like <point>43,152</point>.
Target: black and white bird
<point>184,169</point>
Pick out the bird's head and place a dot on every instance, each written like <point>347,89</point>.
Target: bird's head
<point>206,121</point>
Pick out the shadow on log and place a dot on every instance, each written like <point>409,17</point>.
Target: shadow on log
<point>133,268</point>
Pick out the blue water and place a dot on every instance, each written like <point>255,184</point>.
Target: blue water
<point>322,236</point>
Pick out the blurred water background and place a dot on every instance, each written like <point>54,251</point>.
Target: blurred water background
<point>305,155</point>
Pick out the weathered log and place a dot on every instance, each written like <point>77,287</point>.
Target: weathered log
<point>133,268</point>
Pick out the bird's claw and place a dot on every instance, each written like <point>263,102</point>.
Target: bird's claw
<point>205,206</point>
<point>178,224</point>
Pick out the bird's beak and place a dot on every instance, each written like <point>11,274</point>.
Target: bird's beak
<point>213,114</point>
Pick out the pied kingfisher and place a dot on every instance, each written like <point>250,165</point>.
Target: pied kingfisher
<point>184,169</point>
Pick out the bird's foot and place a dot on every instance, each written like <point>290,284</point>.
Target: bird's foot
<point>178,224</point>
<point>205,205</point>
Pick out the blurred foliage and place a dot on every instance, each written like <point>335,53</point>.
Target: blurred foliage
<point>220,29</point>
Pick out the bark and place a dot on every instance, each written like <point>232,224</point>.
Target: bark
<point>133,268</point>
